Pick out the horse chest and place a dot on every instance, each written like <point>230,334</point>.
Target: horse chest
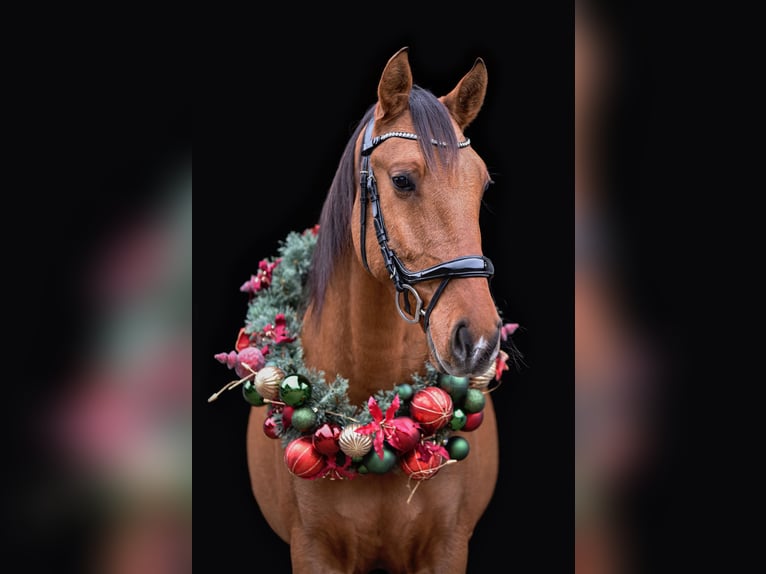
<point>371,519</point>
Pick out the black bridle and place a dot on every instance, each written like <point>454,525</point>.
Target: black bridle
<point>403,278</point>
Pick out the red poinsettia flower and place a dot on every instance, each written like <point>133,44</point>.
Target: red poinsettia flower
<point>262,278</point>
<point>335,471</point>
<point>379,423</point>
<point>243,340</point>
<point>278,331</point>
<point>427,449</point>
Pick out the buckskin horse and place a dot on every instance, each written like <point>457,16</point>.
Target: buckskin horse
<point>374,321</point>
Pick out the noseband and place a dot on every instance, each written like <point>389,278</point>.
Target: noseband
<point>404,279</point>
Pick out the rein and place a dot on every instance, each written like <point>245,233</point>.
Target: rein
<point>404,279</point>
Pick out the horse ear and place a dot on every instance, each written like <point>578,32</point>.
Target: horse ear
<point>394,87</point>
<point>466,99</point>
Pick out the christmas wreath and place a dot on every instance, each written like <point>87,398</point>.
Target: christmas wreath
<point>409,427</point>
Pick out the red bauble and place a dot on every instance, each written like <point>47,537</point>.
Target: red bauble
<point>414,465</point>
<point>403,433</point>
<point>270,428</point>
<point>432,408</point>
<point>287,416</point>
<point>302,459</point>
<point>326,439</point>
<point>472,421</point>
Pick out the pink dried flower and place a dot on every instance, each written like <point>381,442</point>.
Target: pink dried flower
<point>229,359</point>
<point>507,330</point>
<point>250,356</point>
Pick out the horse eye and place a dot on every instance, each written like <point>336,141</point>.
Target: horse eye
<point>402,183</point>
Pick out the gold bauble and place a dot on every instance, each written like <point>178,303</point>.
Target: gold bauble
<point>267,382</point>
<point>482,381</point>
<point>352,443</point>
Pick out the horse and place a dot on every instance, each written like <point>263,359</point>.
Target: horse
<point>374,321</point>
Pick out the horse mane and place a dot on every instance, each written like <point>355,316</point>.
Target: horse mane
<point>431,120</point>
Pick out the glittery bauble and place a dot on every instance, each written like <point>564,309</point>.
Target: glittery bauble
<point>403,433</point>
<point>457,447</point>
<point>267,381</point>
<point>378,465</point>
<point>250,356</point>
<point>474,401</point>
<point>455,386</point>
<point>270,428</point>
<point>295,390</point>
<point>326,439</point>
<point>414,465</point>
<point>251,395</point>
<point>432,408</point>
<point>304,419</point>
<point>302,459</point>
<point>483,380</point>
<point>473,421</point>
<point>352,443</point>
<point>457,421</point>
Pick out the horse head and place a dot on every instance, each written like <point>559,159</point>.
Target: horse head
<point>419,192</point>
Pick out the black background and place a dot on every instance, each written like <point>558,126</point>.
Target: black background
<point>284,121</point>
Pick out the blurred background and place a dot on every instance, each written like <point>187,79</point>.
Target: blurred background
<point>653,212</point>
<point>618,370</point>
<point>98,424</point>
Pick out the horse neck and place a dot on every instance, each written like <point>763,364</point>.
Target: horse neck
<point>360,334</point>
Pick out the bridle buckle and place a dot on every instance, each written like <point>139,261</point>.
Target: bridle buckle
<point>418,304</point>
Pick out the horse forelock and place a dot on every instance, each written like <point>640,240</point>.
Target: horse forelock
<point>431,121</point>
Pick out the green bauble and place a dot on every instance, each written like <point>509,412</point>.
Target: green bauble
<point>474,401</point>
<point>405,391</point>
<point>251,395</point>
<point>361,469</point>
<point>304,418</point>
<point>377,465</point>
<point>458,419</point>
<point>457,447</point>
<point>455,386</point>
<point>295,390</point>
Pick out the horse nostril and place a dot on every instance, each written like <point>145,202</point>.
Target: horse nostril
<point>462,342</point>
